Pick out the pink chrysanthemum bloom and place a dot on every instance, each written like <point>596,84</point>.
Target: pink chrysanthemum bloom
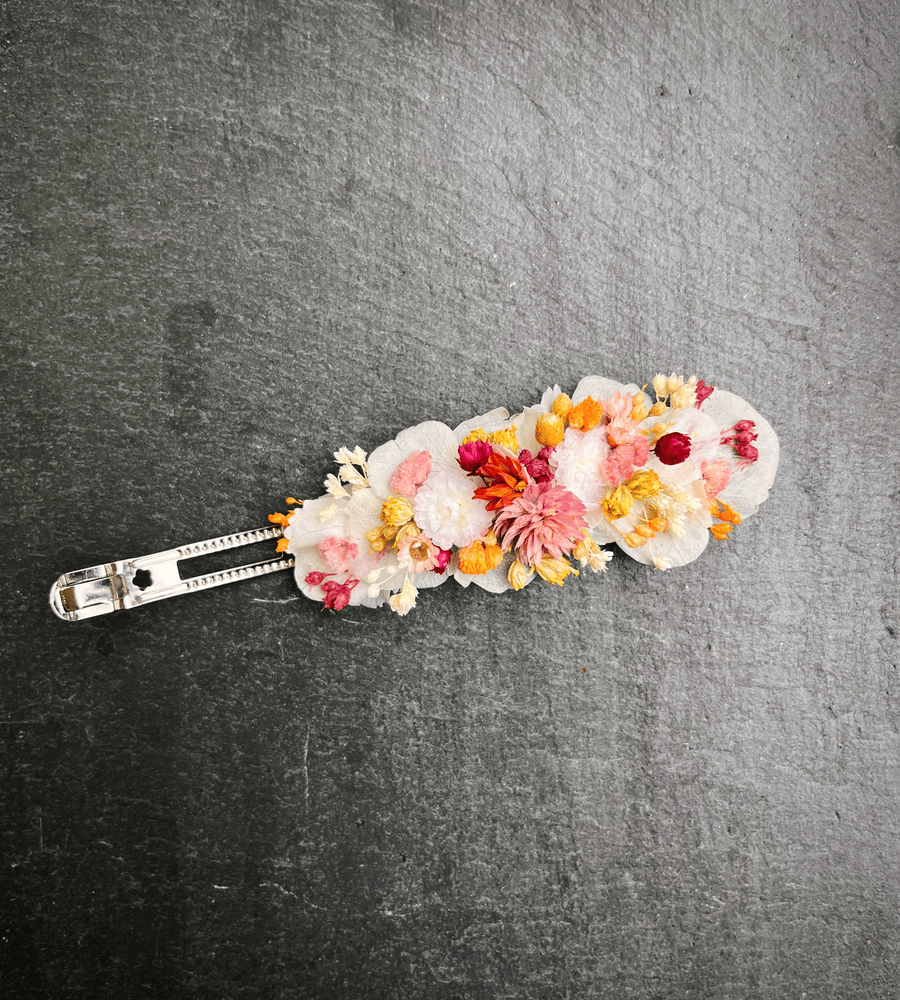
<point>545,520</point>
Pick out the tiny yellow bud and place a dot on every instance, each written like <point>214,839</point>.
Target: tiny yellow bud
<point>476,435</point>
<point>549,430</point>
<point>639,411</point>
<point>657,409</point>
<point>562,405</point>
<point>634,540</point>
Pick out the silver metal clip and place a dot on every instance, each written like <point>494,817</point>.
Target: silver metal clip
<point>130,583</point>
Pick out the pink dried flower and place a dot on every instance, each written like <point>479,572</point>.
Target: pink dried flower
<point>337,595</point>
<point>703,392</point>
<point>411,473</point>
<point>537,465</point>
<point>419,554</point>
<point>337,552</point>
<point>544,520</point>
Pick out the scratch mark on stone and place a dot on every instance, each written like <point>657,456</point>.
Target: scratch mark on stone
<point>306,771</point>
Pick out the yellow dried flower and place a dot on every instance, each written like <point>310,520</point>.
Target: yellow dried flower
<point>657,409</point>
<point>562,405</point>
<point>476,435</point>
<point>617,503</point>
<point>405,531</point>
<point>518,575</point>
<point>396,511</point>
<point>506,438</point>
<point>376,540</point>
<point>554,570</point>
<point>684,395</point>
<point>644,483</point>
<point>549,430</point>
<point>660,385</point>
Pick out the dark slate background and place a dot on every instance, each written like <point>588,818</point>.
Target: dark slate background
<point>237,235</point>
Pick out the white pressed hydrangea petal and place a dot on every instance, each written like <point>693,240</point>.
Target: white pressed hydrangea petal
<point>495,420</point>
<point>362,513</point>
<point>601,530</point>
<point>428,579</point>
<point>750,485</point>
<point>704,437</point>
<point>600,388</point>
<point>495,581</point>
<point>525,424</point>
<point>382,465</point>
<point>306,528</point>
<point>678,550</point>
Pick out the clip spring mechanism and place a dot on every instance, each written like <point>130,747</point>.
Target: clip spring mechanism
<point>130,583</point>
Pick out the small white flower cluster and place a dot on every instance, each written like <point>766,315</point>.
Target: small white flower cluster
<point>353,471</point>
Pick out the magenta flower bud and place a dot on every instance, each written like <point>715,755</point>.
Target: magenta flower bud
<point>442,560</point>
<point>474,454</point>
<point>673,449</point>
<point>314,578</point>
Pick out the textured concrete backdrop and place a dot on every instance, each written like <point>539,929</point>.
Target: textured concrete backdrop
<point>237,235</point>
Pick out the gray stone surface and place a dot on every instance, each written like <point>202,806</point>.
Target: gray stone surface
<point>238,235</point>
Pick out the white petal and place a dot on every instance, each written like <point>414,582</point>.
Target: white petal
<point>495,420</point>
<point>600,388</point>
<point>750,485</point>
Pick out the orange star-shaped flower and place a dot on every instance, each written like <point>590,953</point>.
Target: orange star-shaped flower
<point>507,479</point>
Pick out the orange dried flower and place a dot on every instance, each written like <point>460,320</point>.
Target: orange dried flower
<point>586,414</point>
<point>506,478</point>
<point>480,557</point>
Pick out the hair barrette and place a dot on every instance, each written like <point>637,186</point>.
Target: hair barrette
<point>497,502</point>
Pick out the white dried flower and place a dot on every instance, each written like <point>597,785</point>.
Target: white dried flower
<point>334,487</point>
<point>405,601</point>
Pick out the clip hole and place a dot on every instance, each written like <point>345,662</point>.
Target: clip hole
<point>142,579</point>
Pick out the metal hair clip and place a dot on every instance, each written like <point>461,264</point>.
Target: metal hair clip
<point>130,583</point>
